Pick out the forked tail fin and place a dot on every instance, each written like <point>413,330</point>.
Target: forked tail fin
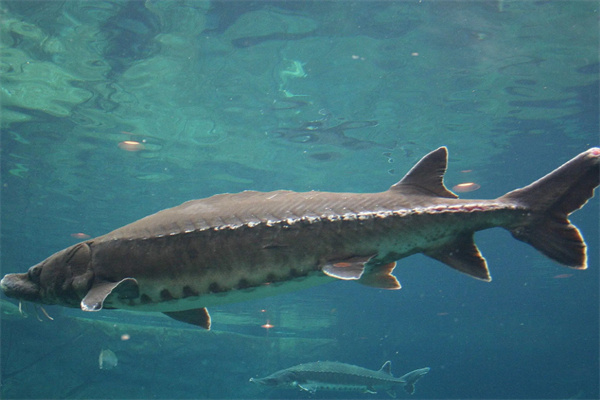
<point>412,377</point>
<point>551,199</point>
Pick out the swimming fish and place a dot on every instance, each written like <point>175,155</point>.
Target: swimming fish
<point>330,375</point>
<point>234,247</point>
<point>107,359</point>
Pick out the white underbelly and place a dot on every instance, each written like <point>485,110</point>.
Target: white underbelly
<point>231,296</point>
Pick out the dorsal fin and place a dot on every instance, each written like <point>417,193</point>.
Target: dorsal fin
<point>386,367</point>
<point>427,176</point>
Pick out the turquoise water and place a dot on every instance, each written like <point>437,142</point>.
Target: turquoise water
<point>325,95</point>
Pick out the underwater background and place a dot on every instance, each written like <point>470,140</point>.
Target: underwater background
<point>113,110</point>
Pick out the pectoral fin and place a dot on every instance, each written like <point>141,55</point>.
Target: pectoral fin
<point>199,317</point>
<point>370,390</point>
<point>307,387</point>
<point>126,289</point>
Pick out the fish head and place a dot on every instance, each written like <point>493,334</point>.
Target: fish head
<point>281,378</point>
<point>64,278</point>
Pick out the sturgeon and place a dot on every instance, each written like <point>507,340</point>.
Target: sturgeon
<point>234,247</point>
<point>331,375</point>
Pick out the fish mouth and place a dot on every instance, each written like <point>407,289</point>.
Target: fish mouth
<point>18,286</point>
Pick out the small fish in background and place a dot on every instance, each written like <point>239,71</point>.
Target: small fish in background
<point>107,360</point>
<point>331,375</point>
<point>562,276</point>
<point>466,187</point>
<point>80,235</point>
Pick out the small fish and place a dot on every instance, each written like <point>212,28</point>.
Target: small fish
<point>236,247</point>
<point>107,359</point>
<point>331,375</point>
<point>562,276</point>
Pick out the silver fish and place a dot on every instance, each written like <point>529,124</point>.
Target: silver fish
<point>107,359</point>
<point>234,247</point>
<point>329,375</point>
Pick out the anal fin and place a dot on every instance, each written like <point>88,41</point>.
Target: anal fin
<point>380,276</point>
<point>198,316</point>
<point>463,255</point>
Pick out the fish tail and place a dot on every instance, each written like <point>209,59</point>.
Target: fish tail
<point>412,377</point>
<point>549,201</point>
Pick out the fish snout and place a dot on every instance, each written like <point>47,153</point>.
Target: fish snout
<point>18,286</point>
<point>261,381</point>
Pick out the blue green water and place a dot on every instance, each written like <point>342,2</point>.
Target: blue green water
<point>312,95</point>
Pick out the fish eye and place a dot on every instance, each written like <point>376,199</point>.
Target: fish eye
<point>34,273</point>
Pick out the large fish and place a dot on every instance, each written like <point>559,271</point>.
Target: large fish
<point>234,247</point>
<point>330,375</point>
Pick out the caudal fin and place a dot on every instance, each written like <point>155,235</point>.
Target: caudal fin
<point>551,200</point>
<point>412,377</point>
